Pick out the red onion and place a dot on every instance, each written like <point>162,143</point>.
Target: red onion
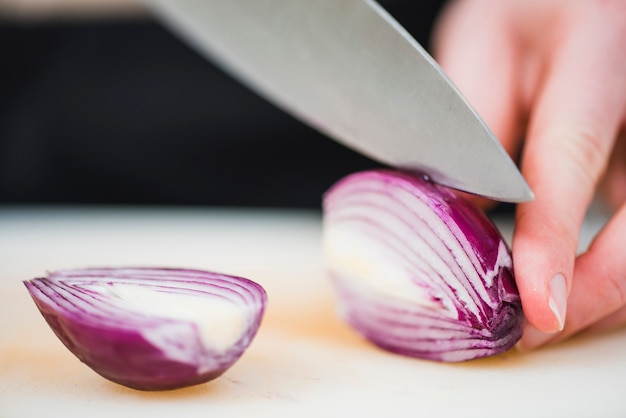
<point>418,270</point>
<point>151,328</point>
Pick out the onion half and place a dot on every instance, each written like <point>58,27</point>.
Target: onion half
<point>151,328</point>
<point>418,270</point>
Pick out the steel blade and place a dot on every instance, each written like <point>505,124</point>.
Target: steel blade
<point>348,69</point>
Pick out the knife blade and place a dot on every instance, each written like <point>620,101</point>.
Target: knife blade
<point>350,70</point>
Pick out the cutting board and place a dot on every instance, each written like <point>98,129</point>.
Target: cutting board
<point>304,362</point>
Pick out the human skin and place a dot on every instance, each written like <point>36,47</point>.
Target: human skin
<point>549,78</point>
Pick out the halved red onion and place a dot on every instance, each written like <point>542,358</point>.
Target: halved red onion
<point>151,328</point>
<point>418,270</point>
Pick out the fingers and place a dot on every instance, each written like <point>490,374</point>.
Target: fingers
<point>598,294</point>
<point>573,127</point>
<point>571,78</point>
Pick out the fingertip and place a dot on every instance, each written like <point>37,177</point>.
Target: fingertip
<point>541,276</point>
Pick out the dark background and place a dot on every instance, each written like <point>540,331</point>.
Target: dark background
<point>122,112</point>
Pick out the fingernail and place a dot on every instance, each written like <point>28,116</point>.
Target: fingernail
<point>533,338</point>
<point>558,299</point>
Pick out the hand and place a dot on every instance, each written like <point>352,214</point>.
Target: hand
<point>554,73</point>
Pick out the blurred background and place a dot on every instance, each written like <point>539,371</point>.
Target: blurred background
<point>100,104</point>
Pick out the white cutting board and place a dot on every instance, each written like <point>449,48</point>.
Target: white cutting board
<point>303,362</point>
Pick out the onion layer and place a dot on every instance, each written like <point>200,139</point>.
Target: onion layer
<point>418,270</point>
<point>151,328</point>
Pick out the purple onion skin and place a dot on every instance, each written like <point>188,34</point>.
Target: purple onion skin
<point>122,354</point>
<point>491,325</point>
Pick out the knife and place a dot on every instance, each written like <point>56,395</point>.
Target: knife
<point>351,71</point>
